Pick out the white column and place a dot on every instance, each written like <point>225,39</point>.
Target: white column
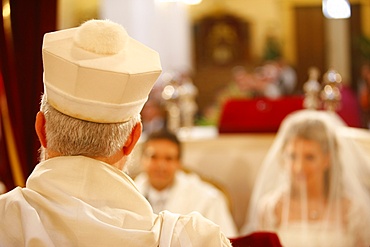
<point>161,26</point>
<point>338,47</point>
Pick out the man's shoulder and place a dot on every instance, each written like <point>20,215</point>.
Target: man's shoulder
<point>11,197</point>
<point>14,203</point>
<point>192,229</point>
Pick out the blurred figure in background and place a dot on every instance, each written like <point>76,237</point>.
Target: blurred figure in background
<point>309,189</point>
<point>168,187</point>
<point>153,116</point>
<point>287,77</point>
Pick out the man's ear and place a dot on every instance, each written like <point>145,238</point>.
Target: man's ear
<point>133,139</point>
<point>40,128</point>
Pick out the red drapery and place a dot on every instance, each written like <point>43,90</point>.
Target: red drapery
<point>21,34</point>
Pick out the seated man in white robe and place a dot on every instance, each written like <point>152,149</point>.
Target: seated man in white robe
<point>167,187</point>
<point>96,81</point>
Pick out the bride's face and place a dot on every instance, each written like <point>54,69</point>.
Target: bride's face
<point>306,161</point>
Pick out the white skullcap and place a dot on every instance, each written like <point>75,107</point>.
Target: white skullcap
<point>97,73</point>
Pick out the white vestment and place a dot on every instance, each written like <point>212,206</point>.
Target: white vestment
<point>189,193</point>
<point>79,201</point>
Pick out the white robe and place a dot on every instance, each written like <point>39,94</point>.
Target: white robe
<point>78,201</point>
<point>189,193</point>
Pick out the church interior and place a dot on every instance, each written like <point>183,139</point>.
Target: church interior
<point>221,89</point>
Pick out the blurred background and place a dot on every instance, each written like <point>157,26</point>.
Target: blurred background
<point>208,39</point>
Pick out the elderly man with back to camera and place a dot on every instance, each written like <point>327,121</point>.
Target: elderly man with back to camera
<point>96,81</point>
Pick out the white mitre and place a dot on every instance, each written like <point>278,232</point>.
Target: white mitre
<point>97,73</point>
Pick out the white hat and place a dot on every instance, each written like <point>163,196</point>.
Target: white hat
<point>97,73</point>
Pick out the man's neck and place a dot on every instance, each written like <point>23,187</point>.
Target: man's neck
<point>117,160</point>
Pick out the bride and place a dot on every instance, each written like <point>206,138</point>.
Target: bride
<point>308,190</point>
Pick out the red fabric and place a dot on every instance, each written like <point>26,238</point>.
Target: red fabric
<point>257,239</point>
<point>21,68</point>
<point>5,172</point>
<point>256,115</point>
<point>265,115</point>
<point>350,109</point>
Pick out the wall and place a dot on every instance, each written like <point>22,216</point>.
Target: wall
<point>263,15</point>
<point>267,16</point>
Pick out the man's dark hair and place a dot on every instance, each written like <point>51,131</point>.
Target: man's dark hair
<point>164,135</point>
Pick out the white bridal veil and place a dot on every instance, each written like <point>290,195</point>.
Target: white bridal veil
<point>329,206</point>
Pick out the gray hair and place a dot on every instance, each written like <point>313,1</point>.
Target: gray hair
<point>70,136</point>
